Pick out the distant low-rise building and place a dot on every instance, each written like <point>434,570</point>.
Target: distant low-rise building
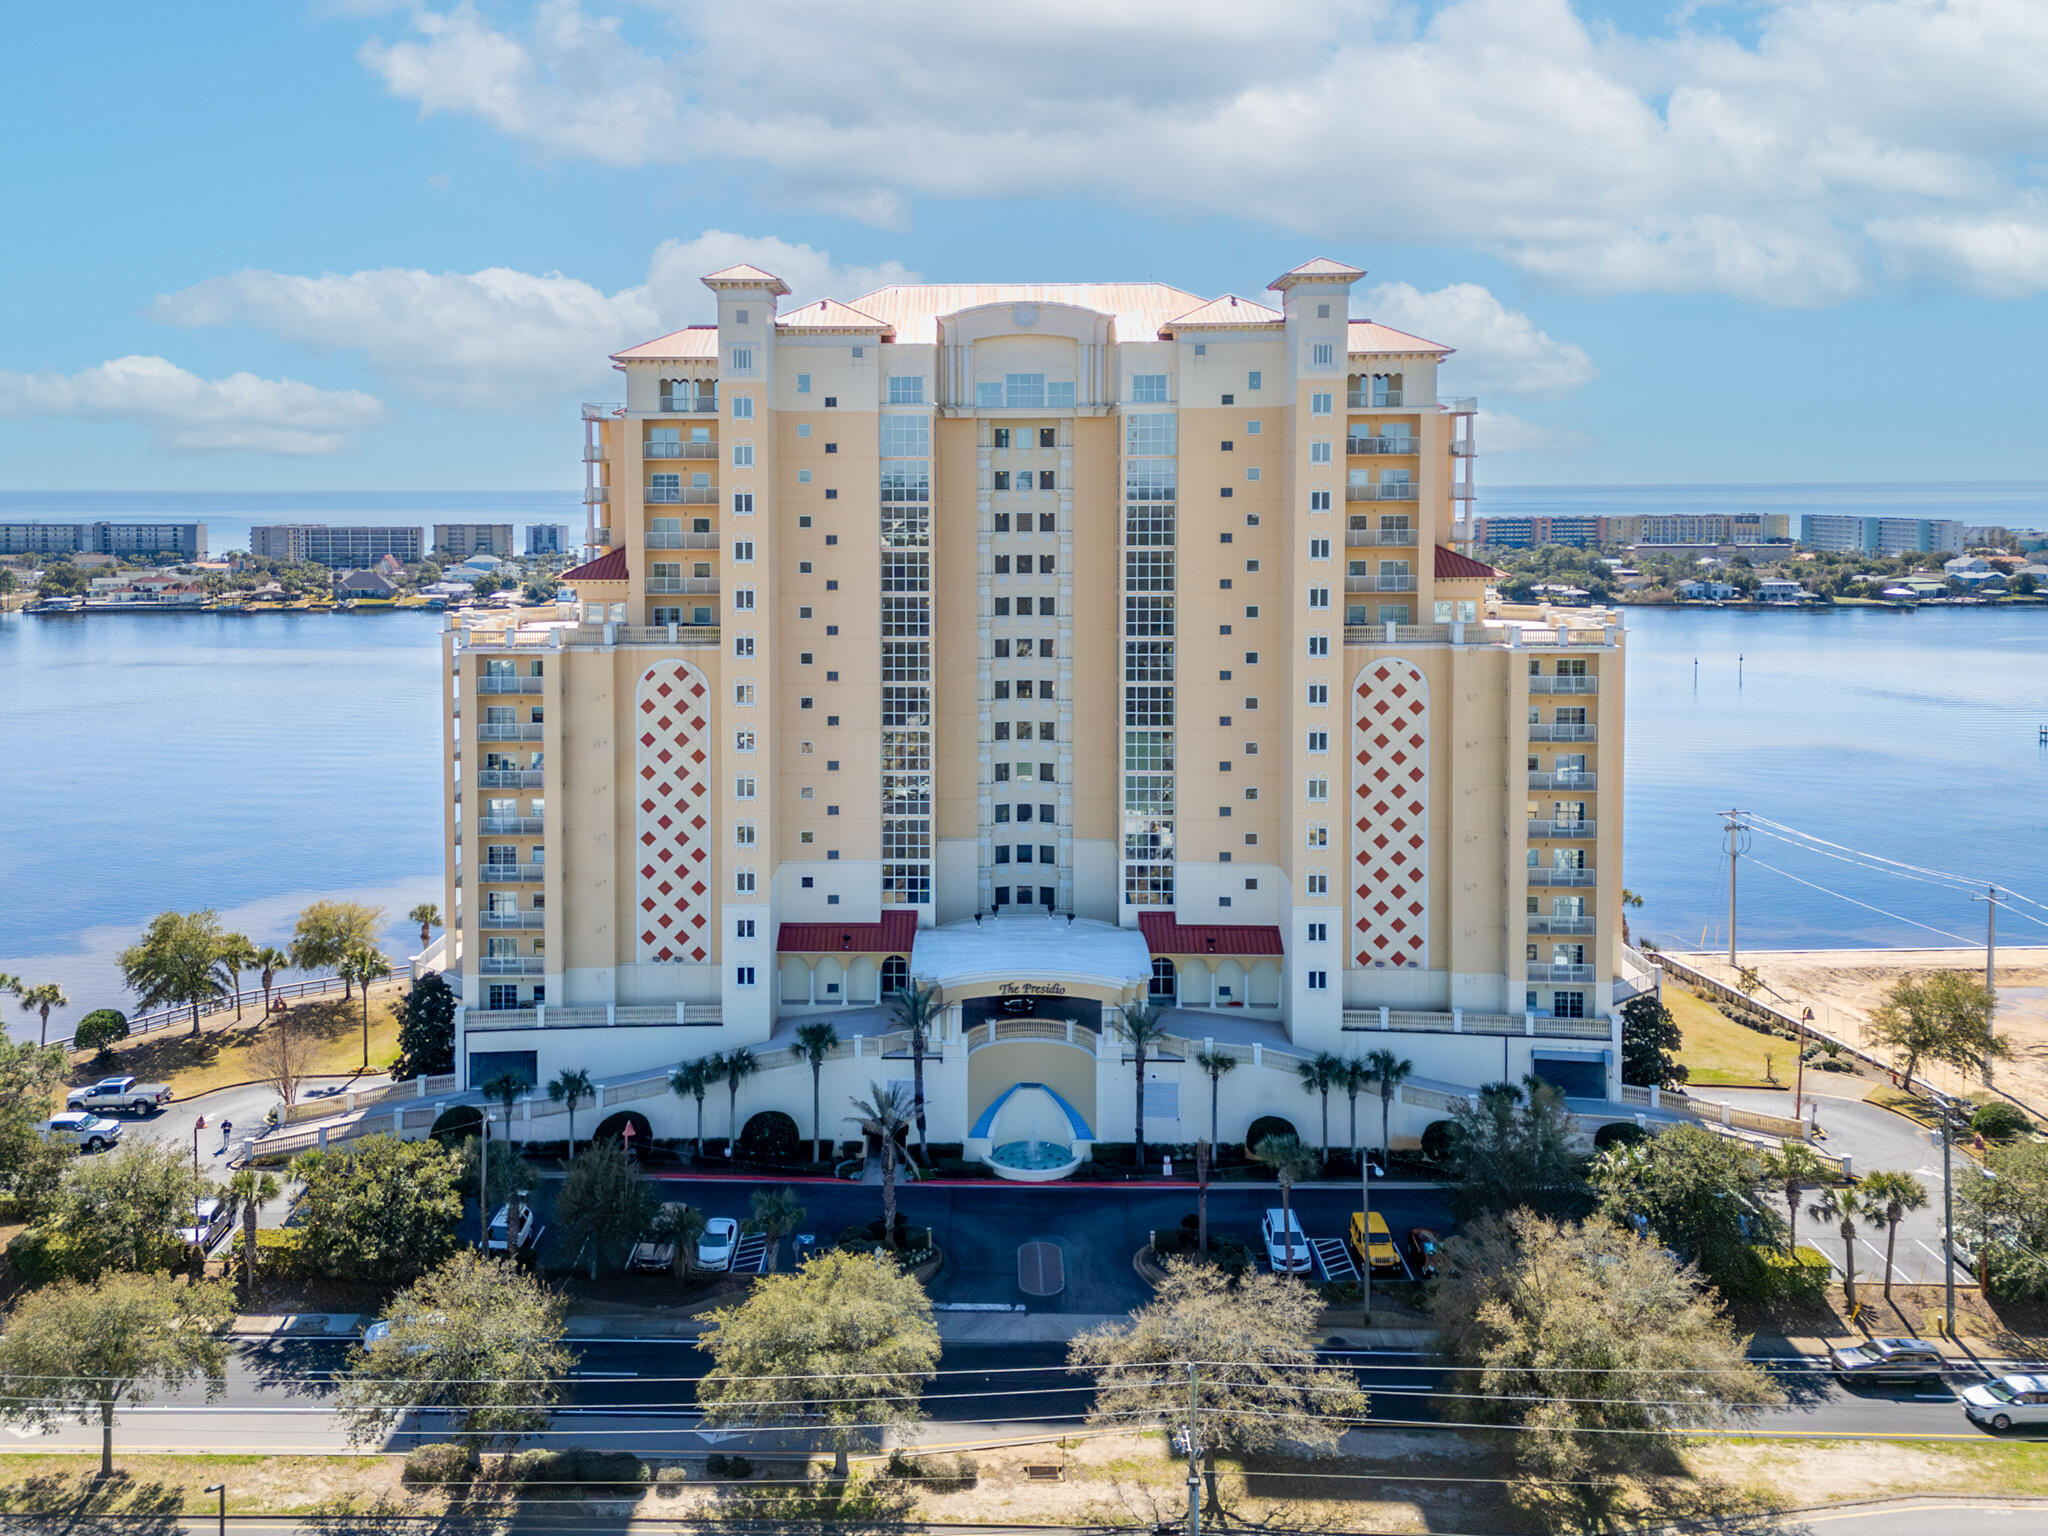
<point>345,548</point>
<point>365,584</point>
<point>1846,533</point>
<point>458,541</point>
<point>36,537</point>
<point>1574,531</point>
<point>1706,591</point>
<point>547,539</point>
<point>1779,589</point>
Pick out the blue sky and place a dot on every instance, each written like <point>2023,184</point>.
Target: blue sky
<point>367,245</point>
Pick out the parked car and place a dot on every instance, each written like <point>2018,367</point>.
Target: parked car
<point>211,1220</point>
<point>84,1130</point>
<point>1371,1236</point>
<point>503,1238</point>
<point>715,1247</point>
<point>1422,1251</point>
<point>1286,1245</point>
<point>2004,1401</point>
<point>653,1253</point>
<point>121,1094</point>
<point>1888,1360</point>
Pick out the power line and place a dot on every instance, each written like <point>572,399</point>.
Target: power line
<point>1880,911</point>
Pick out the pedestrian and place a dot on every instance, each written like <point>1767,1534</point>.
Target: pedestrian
<point>227,1129</point>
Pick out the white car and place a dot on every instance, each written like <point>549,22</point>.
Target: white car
<point>84,1130</point>
<point>210,1222</point>
<point>715,1247</point>
<point>1286,1244</point>
<point>2004,1401</point>
<point>502,1239</point>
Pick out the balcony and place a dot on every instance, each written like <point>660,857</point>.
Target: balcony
<point>517,920</point>
<point>1571,826</point>
<point>1405,491</point>
<point>596,495</point>
<point>1463,448</point>
<point>1566,779</point>
<point>506,874</point>
<point>687,496</point>
<point>1358,537</point>
<point>1563,733</point>
<point>1464,491</point>
<point>510,778</point>
<point>1560,972</point>
<point>1379,583</point>
<point>682,586</point>
<point>1459,405</point>
<point>593,453</point>
<point>690,405</point>
<point>513,965</point>
<point>601,537</point>
<point>657,449</point>
<point>498,684</point>
<point>517,826</point>
<point>599,410</point>
<point>528,732</point>
<point>1560,924</point>
<point>1563,877</point>
<point>682,541</point>
<point>1564,685</point>
<point>1372,399</point>
<point>1359,445</point>
<point>659,634</point>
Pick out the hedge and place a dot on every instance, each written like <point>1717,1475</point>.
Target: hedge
<point>281,1253</point>
<point>443,1462</point>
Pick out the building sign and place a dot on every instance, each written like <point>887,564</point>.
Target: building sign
<point>1031,989</point>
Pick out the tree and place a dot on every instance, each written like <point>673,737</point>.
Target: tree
<point>1320,1075</point>
<point>31,1166</point>
<point>176,963</point>
<point>246,1194</point>
<point>850,1336</point>
<point>1700,1194</point>
<point>428,916</point>
<point>1354,1077</point>
<point>363,964</point>
<point>79,1351</point>
<point>2003,1210</point>
<point>494,1169</point>
<point>327,930</point>
<point>605,1202</point>
<point>815,1043</point>
<point>735,1067</point>
<point>1844,1209</point>
<point>1291,1163</point>
<point>1144,1026</point>
<point>1629,900</point>
<point>378,1208</point>
<point>1887,1195</point>
<point>40,1000</point>
<point>1216,1065</point>
<point>475,1338</point>
<point>1237,1354</point>
<point>1650,1040</point>
<point>1944,1016</point>
<point>123,1211</point>
<point>236,955</point>
<point>1514,1149</point>
<point>100,1029</point>
<point>882,1115</point>
<point>776,1214</point>
<point>426,1029</point>
<point>570,1086</point>
<point>692,1080</point>
<point>269,961</point>
<point>917,1008</point>
<point>283,1056</point>
<point>1590,1338</point>
<point>1388,1072</point>
<point>682,1225</point>
<point>1791,1168</point>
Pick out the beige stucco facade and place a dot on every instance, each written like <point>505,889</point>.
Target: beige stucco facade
<point>1101,607</point>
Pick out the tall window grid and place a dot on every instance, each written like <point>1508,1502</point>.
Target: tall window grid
<point>1148,614</point>
<point>906,527</point>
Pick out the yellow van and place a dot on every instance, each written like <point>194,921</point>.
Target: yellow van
<point>1386,1259</point>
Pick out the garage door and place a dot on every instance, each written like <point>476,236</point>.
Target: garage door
<point>1577,1077</point>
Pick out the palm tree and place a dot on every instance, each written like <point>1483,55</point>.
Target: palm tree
<point>1354,1077</point>
<point>571,1085</point>
<point>1291,1163</point>
<point>882,1114</point>
<point>176,963</point>
<point>1629,899</point>
<point>814,1043</point>
<point>364,964</point>
<point>247,1193</point>
<point>1216,1064</point>
<point>917,1007</point>
<point>1792,1166</point>
<point>736,1067</point>
<point>268,962</point>
<point>507,1089</point>
<point>238,955</point>
<point>682,1225</point>
<point>428,916</point>
<point>1388,1073</point>
<point>1320,1076</point>
<point>776,1215</point>
<point>690,1081</point>
<point>40,1000</point>
<point>1843,1208</point>
<point>1887,1195</point>
<point>1144,1026</point>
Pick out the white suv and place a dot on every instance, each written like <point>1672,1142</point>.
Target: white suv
<point>1286,1246</point>
<point>84,1130</point>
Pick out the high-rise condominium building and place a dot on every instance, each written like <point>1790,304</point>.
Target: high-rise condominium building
<point>547,539</point>
<point>1065,647</point>
<point>335,544</point>
<point>35,537</point>
<point>458,541</point>
<point>1846,533</point>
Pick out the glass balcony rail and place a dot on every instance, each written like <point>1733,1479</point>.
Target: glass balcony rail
<point>1406,491</point>
<point>510,778</point>
<point>1372,399</point>
<point>1459,405</point>
<point>526,732</point>
<point>1563,733</point>
<point>690,405</point>
<point>687,496</point>
<point>490,684</point>
<point>675,586</point>
<point>500,874</point>
<point>666,540</point>
<point>596,495</point>
<point>1379,583</point>
<point>1564,685</point>
<point>1402,444</point>
<point>1359,537</point>
<point>1557,972</point>
<point>513,965</point>
<point>1568,779</point>
<point>1560,924</point>
<point>518,826</point>
<point>514,920</point>
<point>1563,877</point>
<point>1550,826</point>
<point>661,448</point>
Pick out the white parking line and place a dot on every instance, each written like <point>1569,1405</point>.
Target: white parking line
<point>1878,1253</point>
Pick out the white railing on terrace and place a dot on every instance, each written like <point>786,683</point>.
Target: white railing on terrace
<point>526,732</point>
<point>1540,924</point>
<point>656,448</point>
<point>686,405</point>
<point>502,874</point>
<point>512,920</point>
<point>1541,732</point>
<point>1560,971</point>
<point>666,540</point>
<point>1379,583</point>
<point>1564,685</point>
<point>688,496</point>
<point>598,410</point>
<point>1459,1022</point>
<point>512,965</point>
<point>1406,445</point>
<point>1372,399</point>
<point>170,1018</point>
<point>1563,877</point>
<point>677,586</point>
<point>1404,492</point>
<point>490,684</point>
<point>1458,405</point>
<point>1568,826</point>
<point>657,634</point>
<point>1356,537</point>
<point>1564,780</point>
<point>510,778</point>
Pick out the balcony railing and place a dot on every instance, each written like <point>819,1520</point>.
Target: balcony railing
<point>1560,972</point>
<point>1379,583</point>
<point>658,448</point>
<point>1372,399</point>
<point>489,684</point>
<point>513,965</point>
<point>1563,877</point>
<point>517,826</point>
<point>1463,447</point>
<point>1563,733</point>
<point>510,778</point>
<point>528,732</point>
<point>1356,537</point>
<point>1564,685</point>
<point>688,496</point>
<point>596,495</point>
<point>682,540</point>
<point>1406,491</point>
<point>1560,925</point>
<point>1380,445</point>
<point>502,874</point>
<point>1570,826</point>
<point>690,405</point>
<point>601,537</point>
<point>1461,491</point>
<point>679,586</point>
<point>513,920</point>
<point>598,410</point>
<point>593,453</point>
<point>659,634</point>
<point>1563,780</point>
<point>1459,405</point>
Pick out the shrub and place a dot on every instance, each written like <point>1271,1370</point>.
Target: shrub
<point>100,1029</point>
<point>281,1254</point>
<point>2000,1121</point>
<point>612,1128</point>
<point>443,1462</point>
<point>1267,1125</point>
<point>616,1472</point>
<point>937,1474</point>
<point>1801,1276</point>
<point>541,1469</point>
<point>669,1481</point>
<point>1436,1140</point>
<point>728,1468</point>
<point>1619,1133</point>
<point>770,1135</point>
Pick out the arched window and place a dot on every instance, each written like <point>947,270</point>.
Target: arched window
<point>1165,984</point>
<point>895,975</point>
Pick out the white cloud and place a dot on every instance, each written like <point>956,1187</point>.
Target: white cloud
<point>2002,254</point>
<point>1497,433</point>
<point>1789,169</point>
<point>188,414</point>
<point>1500,350</point>
<point>501,336</point>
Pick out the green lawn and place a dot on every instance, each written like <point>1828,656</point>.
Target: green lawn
<point>1719,1053</point>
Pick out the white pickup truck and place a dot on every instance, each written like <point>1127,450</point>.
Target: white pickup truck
<point>119,1093</point>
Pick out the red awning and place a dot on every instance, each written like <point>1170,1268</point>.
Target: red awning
<point>1165,936</point>
<point>1452,566</point>
<point>893,935</point>
<point>609,566</point>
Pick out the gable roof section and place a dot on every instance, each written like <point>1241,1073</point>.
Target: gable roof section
<point>691,344</point>
<point>831,315</point>
<point>609,566</point>
<point>1371,336</point>
<point>1165,935</point>
<point>1229,310</point>
<point>1452,566</point>
<point>1321,270</point>
<point>745,276</point>
<point>913,310</point>
<point>894,935</point>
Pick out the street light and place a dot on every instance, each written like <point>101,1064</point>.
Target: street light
<point>197,1126</point>
<point>222,1490</point>
<point>1799,1092</point>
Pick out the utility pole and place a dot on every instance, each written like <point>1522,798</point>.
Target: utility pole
<point>1194,1452</point>
<point>1736,840</point>
<point>1948,1210</point>
<point>1991,899</point>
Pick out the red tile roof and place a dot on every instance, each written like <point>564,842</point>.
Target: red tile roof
<point>1452,566</point>
<point>893,935</point>
<point>1166,936</point>
<point>610,566</point>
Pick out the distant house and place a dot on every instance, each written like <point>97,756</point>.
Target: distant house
<point>390,565</point>
<point>365,584</point>
<point>1779,589</point>
<point>1706,591</point>
<point>1964,564</point>
<point>1560,592</point>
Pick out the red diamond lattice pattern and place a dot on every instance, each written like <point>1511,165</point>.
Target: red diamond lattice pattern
<point>1390,807</point>
<point>672,762</point>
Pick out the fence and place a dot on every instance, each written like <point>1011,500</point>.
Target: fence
<point>168,1018</point>
<point>362,1098</point>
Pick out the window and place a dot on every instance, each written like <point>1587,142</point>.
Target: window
<point>1319,741</point>
<point>1318,790</point>
<point>743,928</point>
<point>743,741</point>
<point>743,695</point>
<point>1319,501</point>
<point>1319,882</point>
<point>1254,379</point>
<point>1319,597</point>
<point>743,551</point>
<point>742,359</point>
<point>743,975</point>
<point>1148,388</point>
<point>743,834</point>
<point>1322,354</point>
<point>1319,933</point>
<point>743,503</point>
<point>1319,402</point>
<point>1318,981</point>
<point>803,567</point>
<point>742,455</point>
<point>1318,695</point>
<point>1252,473</point>
<point>743,881</point>
<point>742,407</point>
<point>743,787</point>
<point>743,647</point>
<point>1319,549</point>
<point>803,477</point>
<point>1319,451</point>
<point>803,429</point>
<point>803,383</point>
<point>1319,645</point>
<point>743,599</point>
<point>906,389</point>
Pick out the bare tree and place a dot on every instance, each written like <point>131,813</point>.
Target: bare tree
<point>283,1054</point>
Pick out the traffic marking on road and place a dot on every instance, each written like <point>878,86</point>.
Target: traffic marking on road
<point>1041,1269</point>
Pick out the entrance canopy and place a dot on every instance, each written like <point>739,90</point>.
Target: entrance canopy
<point>1029,954</point>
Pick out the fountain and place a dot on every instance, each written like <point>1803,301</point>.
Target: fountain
<point>1022,1129</point>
